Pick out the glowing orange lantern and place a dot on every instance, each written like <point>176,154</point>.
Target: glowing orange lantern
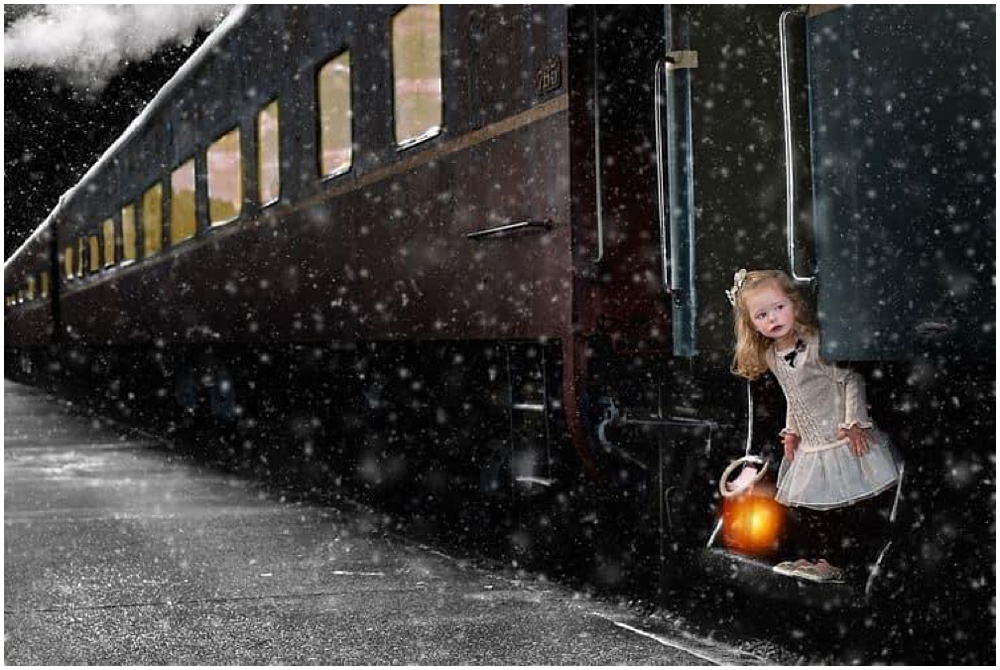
<point>752,523</point>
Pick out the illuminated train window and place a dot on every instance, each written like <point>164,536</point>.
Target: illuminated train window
<point>416,67</point>
<point>183,224</point>
<point>333,90</point>
<point>225,179</point>
<point>128,234</point>
<point>152,220</point>
<point>68,263</point>
<point>108,235</point>
<point>94,253</point>
<point>268,155</point>
<point>44,285</point>
<point>31,288</point>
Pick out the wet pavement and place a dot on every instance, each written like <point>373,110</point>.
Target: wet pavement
<point>119,551</point>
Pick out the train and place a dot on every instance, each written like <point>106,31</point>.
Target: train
<point>469,263</point>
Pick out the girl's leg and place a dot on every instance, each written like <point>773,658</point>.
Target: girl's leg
<point>867,529</point>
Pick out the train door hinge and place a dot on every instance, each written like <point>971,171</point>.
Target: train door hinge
<point>681,60</point>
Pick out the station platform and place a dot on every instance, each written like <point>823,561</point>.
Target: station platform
<point>120,551</point>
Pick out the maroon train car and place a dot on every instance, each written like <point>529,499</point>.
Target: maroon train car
<point>470,262</point>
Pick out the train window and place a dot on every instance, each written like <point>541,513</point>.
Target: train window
<point>68,263</point>
<point>128,234</point>
<point>44,277</point>
<point>152,220</point>
<point>108,235</point>
<point>225,179</point>
<point>31,288</point>
<point>183,224</point>
<point>334,93</point>
<point>416,67</point>
<point>268,155</point>
<point>95,253</point>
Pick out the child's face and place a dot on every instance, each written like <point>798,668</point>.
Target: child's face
<point>771,312</point>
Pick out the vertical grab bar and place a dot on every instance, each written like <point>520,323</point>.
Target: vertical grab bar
<point>786,108</point>
<point>598,167</point>
<point>678,272</point>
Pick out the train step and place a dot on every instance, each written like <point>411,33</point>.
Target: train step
<point>756,577</point>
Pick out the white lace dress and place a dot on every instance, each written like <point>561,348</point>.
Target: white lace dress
<point>821,399</point>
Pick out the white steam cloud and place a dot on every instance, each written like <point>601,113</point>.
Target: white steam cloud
<point>89,44</point>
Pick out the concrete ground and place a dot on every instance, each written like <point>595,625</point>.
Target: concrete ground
<point>118,551</point>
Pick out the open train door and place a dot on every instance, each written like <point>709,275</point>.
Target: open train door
<point>902,104</point>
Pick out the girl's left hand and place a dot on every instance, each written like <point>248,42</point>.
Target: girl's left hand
<point>859,437</point>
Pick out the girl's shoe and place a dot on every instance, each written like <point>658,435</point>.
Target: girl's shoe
<point>820,571</point>
<point>791,568</point>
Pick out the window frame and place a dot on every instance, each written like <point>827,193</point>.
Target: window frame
<point>129,207</point>
<point>433,131</point>
<point>147,251</point>
<point>109,254</point>
<point>261,201</point>
<point>174,240</point>
<point>94,264</point>
<point>349,165</point>
<point>241,181</point>
<point>68,255</point>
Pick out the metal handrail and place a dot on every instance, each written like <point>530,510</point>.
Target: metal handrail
<point>508,228</point>
<point>786,107</point>
<point>598,181</point>
<point>658,101</point>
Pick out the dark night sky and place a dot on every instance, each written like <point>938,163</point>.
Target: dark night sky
<point>54,131</point>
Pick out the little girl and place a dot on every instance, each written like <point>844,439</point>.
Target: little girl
<point>833,455</point>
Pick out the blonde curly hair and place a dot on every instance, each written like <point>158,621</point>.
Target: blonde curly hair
<point>749,360</point>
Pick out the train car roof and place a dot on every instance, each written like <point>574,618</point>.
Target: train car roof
<point>201,54</point>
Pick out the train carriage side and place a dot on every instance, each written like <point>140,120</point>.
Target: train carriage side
<point>355,260</point>
<point>29,306</point>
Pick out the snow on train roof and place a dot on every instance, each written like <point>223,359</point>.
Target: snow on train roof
<point>201,54</point>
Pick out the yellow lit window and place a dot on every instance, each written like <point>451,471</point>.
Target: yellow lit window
<point>333,86</point>
<point>108,236</point>
<point>128,234</point>
<point>225,179</point>
<point>183,224</point>
<point>416,67</point>
<point>152,220</point>
<point>268,155</point>
<point>95,253</point>
<point>31,288</point>
<point>45,285</point>
<point>68,263</point>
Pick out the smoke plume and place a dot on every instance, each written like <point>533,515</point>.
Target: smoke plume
<point>89,44</point>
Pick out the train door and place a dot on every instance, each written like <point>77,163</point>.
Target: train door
<point>902,124</point>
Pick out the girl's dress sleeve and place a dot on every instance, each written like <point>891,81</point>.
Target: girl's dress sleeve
<point>791,426</point>
<point>855,399</point>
